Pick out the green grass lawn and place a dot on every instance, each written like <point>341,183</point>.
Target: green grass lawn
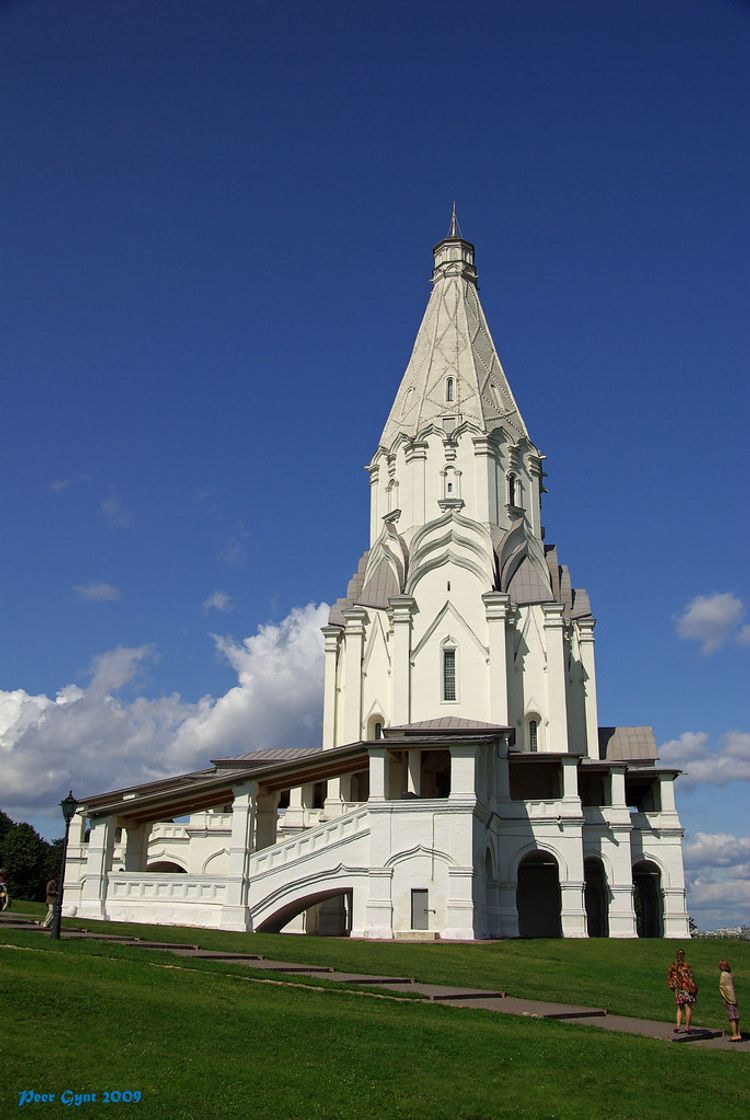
<point>205,1045</point>
<point>625,977</point>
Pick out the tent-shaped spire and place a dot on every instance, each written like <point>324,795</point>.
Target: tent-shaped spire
<point>454,374</point>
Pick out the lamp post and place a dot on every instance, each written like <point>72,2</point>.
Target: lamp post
<point>68,806</point>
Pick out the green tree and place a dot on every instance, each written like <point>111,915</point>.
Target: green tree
<point>24,856</point>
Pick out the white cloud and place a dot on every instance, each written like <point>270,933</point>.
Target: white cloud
<point>706,764</point>
<point>717,869</point>
<point>743,638</point>
<point>709,619</point>
<point>91,739</point>
<point>217,601</point>
<point>98,592</point>
<point>113,512</point>
<point>59,485</point>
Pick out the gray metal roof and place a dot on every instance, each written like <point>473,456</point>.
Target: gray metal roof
<point>441,725</point>
<point>267,754</point>
<point>620,744</point>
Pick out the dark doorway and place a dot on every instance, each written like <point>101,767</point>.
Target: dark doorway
<point>596,897</point>
<point>647,900</point>
<point>538,896</point>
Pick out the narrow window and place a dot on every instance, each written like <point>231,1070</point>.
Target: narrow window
<point>450,487</point>
<point>512,489</point>
<point>449,390</point>
<point>533,738</point>
<point>449,674</point>
<point>378,731</point>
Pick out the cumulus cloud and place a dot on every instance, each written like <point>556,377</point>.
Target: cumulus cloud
<point>705,763</point>
<point>98,592</point>
<point>113,512</point>
<point>710,619</point>
<point>92,739</point>
<point>717,869</point>
<point>217,601</point>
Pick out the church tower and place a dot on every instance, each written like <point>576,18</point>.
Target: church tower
<point>458,609</point>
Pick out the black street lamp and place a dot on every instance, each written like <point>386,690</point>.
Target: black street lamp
<point>68,806</point>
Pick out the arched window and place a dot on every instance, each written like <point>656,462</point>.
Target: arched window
<point>512,489</point>
<point>533,735</point>
<point>449,674</point>
<point>378,729</point>
<point>450,389</point>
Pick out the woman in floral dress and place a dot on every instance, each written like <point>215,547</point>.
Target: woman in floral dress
<point>682,982</point>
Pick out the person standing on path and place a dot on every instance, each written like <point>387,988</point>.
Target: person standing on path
<point>729,995</point>
<point>51,898</point>
<point>4,892</point>
<point>682,982</point>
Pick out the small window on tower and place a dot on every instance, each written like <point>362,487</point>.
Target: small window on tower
<point>449,674</point>
<point>533,735</point>
<point>450,391</point>
<point>512,489</point>
<point>378,731</point>
<point>450,487</point>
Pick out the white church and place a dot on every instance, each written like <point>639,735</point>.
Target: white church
<point>464,788</point>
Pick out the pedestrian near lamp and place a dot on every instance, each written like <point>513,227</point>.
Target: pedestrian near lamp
<point>729,995</point>
<point>51,898</point>
<point>682,983</point>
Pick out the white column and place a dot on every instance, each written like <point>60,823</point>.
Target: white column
<point>414,773</point>
<point>234,915</point>
<point>294,817</point>
<point>463,773</point>
<point>356,619</point>
<point>136,846</point>
<point>377,774</point>
<point>586,646</point>
<point>485,474</point>
<point>401,610</point>
<point>374,472</point>
<point>507,914</point>
<point>380,903</point>
<point>666,792</point>
<point>98,865</point>
<point>573,910</point>
<point>266,818</point>
<point>416,458</point>
<point>534,504</point>
<point>496,606</point>
<point>557,737</point>
<point>570,784</point>
<point>332,635</point>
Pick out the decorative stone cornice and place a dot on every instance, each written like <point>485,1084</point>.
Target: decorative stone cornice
<point>553,616</point>
<point>450,503</point>
<point>496,605</point>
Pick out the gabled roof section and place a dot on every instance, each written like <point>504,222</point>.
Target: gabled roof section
<point>443,725</point>
<point>453,341</point>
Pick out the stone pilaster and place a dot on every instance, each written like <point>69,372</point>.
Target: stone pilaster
<point>98,865</point>
<point>266,819</point>
<point>586,646</point>
<point>374,472</point>
<point>136,847</point>
<point>485,474</point>
<point>332,635</point>
<point>557,736</point>
<point>497,606</point>
<point>416,459</point>
<point>354,636</point>
<point>401,610</point>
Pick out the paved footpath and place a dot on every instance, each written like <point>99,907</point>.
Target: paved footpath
<point>481,1000</point>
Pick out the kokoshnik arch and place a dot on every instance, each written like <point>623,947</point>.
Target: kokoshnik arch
<point>464,788</point>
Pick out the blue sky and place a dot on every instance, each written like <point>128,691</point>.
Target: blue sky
<point>216,228</point>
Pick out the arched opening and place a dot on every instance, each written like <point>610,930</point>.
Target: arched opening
<point>325,914</point>
<point>512,490</point>
<point>648,899</point>
<point>596,897</point>
<point>450,389</point>
<point>375,725</point>
<point>449,673</point>
<point>435,774</point>
<point>166,867</point>
<point>538,899</point>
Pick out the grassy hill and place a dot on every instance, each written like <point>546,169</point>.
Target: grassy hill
<point>205,1042</point>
